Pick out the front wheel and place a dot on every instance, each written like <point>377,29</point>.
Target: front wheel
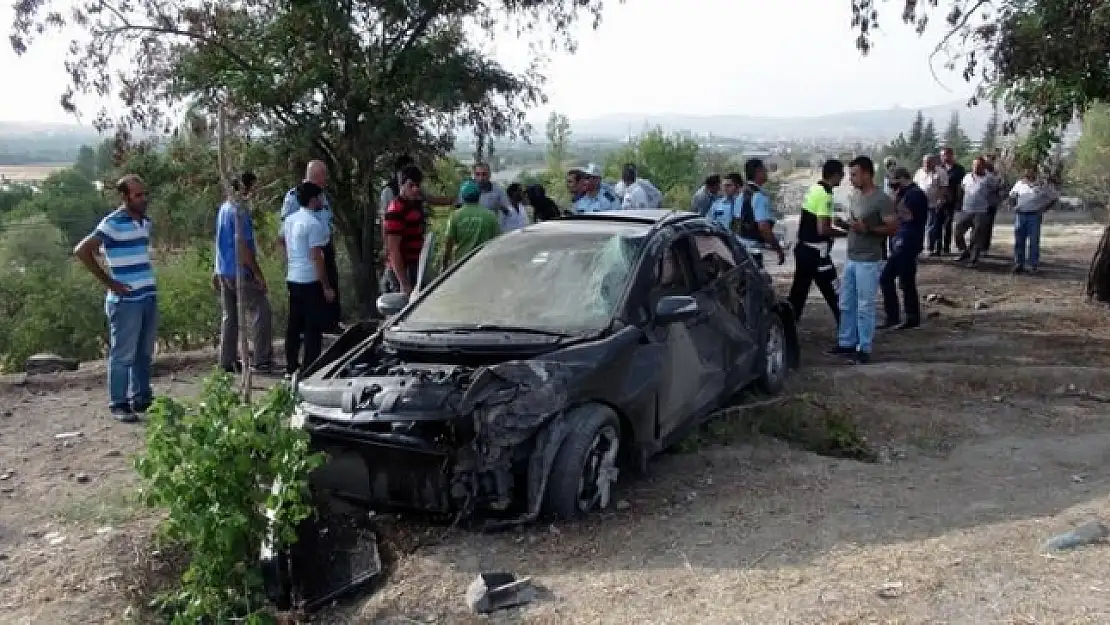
<point>585,467</point>
<point>772,378</point>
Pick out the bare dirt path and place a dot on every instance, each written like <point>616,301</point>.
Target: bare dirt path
<point>992,430</point>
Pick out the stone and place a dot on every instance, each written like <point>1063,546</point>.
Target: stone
<point>48,363</point>
<point>890,590</point>
<point>82,478</point>
<point>981,304</point>
<point>490,592</point>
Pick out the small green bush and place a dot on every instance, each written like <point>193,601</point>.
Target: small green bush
<point>211,465</point>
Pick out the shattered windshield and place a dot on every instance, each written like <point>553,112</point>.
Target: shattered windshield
<point>558,282</point>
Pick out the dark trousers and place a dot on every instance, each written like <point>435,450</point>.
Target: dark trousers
<point>901,271</point>
<point>988,228</point>
<point>308,313</point>
<point>333,311</point>
<point>811,267</point>
<point>939,228</point>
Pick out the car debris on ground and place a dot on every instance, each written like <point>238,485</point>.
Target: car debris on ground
<point>490,592</point>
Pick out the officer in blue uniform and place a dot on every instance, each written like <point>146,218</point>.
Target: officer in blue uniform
<point>592,197</point>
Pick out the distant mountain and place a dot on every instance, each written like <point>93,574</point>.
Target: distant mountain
<point>882,125</point>
<point>30,130</point>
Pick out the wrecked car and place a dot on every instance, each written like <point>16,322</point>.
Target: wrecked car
<point>521,380</point>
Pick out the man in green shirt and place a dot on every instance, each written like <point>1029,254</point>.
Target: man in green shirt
<point>470,226</point>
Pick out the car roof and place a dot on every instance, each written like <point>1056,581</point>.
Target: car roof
<point>628,228</point>
<point>650,216</point>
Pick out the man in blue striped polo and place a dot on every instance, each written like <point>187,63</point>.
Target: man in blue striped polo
<point>123,237</point>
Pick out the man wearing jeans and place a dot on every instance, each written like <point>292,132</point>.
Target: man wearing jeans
<point>873,220</point>
<point>254,283</point>
<point>131,304</point>
<point>1030,199</point>
<point>304,236</point>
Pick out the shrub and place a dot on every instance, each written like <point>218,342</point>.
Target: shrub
<point>212,464</point>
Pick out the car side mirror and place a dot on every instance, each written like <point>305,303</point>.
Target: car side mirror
<point>675,309</point>
<point>390,304</point>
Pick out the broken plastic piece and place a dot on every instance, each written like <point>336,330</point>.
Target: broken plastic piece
<point>490,592</point>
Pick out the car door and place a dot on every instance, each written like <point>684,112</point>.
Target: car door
<point>690,379</point>
<point>723,295</point>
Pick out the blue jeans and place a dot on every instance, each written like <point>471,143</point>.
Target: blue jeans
<point>1027,228</point>
<point>858,291</point>
<point>132,330</point>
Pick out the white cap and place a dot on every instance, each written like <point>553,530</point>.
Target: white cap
<point>593,170</point>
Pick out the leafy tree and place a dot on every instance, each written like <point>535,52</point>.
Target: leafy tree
<point>956,138</point>
<point>929,143</point>
<point>69,201</point>
<point>991,135</point>
<point>1090,172</point>
<point>558,141</point>
<point>917,132</point>
<point>1002,48</point>
<point>350,82</point>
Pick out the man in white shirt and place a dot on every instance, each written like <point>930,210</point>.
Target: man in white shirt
<point>980,187</point>
<point>933,180</point>
<point>635,192</point>
<point>303,237</point>
<point>1030,200</point>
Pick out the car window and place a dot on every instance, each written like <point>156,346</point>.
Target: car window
<point>714,257</point>
<point>564,282</point>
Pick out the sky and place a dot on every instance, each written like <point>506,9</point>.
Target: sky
<point>787,58</point>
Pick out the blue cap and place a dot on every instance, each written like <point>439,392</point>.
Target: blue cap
<point>469,191</point>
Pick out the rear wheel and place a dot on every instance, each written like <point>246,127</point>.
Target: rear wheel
<point>585,467</point>
<point>773,376</point>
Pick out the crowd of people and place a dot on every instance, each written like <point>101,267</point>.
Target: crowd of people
<point>887,229</point>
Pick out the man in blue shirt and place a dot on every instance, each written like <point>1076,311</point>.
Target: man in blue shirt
<point>260,316</point>
<point>757,219</point>
<point>592,197</point>
<point>905,246</point>
<point>316,172</point>
<point>304,236</point>
<point>131,303</point>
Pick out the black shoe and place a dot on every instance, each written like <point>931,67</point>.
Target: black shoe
<point>123,414</point>
<point>886,325</point>
<point>1033,269</point>
<point>140,406</point>
<point>963,257</point>
<point>861,358</point>
<point>908,325</point>
<point>841,351</point>
<point>1018,269</point>
<point>264,369</point>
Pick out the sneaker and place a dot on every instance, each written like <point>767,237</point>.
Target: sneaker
<point>123,414</point>
<point>908,325</point>
<point>861,358</point>
<point>841,351</point>
<point>886,325</point>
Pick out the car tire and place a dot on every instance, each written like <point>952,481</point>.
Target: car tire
<point>584,471</point>
<point>774,365</point>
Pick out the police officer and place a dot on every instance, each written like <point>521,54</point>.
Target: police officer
<point>812,253</point>
<point>592,197</point>
<point>757,220</point>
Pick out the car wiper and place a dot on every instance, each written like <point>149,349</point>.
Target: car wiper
<point>490,327</point>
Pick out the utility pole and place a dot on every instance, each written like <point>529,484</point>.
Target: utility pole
<point>237,201</point>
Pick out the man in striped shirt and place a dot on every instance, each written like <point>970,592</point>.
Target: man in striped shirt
<point>405,222</point>
<point>123,237</point>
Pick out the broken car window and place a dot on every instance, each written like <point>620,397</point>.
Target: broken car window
<point>561,282</point>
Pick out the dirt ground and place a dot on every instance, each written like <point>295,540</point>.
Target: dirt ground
<point>989,422</point>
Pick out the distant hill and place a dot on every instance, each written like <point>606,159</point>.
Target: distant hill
<point>881,125</point>
<point>25,143</point>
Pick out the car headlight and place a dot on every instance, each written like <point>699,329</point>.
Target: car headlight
<point>298,419</point>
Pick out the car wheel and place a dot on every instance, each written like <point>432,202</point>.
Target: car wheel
<point>773,376</point>
<point>585,466</point>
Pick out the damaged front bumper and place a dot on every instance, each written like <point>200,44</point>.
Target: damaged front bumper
<point>487,448</point>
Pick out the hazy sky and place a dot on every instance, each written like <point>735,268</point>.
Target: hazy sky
<point>781,58</point>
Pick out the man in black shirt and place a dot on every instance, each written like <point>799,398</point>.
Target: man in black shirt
<point>905,245</point>
<point>940,221</point>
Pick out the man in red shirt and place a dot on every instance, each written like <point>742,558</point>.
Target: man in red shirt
<point>405,222</point>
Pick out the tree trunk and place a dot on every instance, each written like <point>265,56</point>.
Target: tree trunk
<point>358,223</point>
<point>1098,279</point>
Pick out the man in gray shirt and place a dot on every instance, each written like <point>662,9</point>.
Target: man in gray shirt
<point>706,195</point>
<point>980,189</point>
<point>493,196</point>
<point>873,219</point>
